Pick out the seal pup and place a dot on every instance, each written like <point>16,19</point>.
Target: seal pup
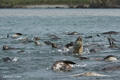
<point>88,74</point>
<point>63,65</point>
<point>78,47</point>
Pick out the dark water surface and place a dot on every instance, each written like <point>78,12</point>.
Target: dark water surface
<point>36,61</point>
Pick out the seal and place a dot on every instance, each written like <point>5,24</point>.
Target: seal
<point>48,42</point>
<point>88,74</point>
<point>78,47</point>
<point>111,43</point>
<point>111,32</point>
<point>73,33</point>
<point>54,45</point>
<point>54,37</point>
<point>37,38</point>
<point>37,42</point>
<point>62,65</point>
<point>17,34</point>
<point>69,45</point>
<point>6,59</point>
<point>110,58</point>
<point>111,68</point>
<point>5,47</point>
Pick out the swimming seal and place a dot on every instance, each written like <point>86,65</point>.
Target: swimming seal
<point>111,32</point>
<point>48,42</point>
<point>54,37</point>
<point>62,65</point>
<point>69,45</point>
<point>88,74</point>
<point>111,68</point>
<point>111,43</point>
<point>17,34</point>
<point>5,47</point>
<point>110,58</point>
<point>37,42</point>
<point>54,45</point>
<point>37,38</point>
<point>78,47</point>
<point>73,33</point>
<point>7,59</point>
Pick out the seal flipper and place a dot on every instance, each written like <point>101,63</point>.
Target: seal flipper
<point>69,62</point>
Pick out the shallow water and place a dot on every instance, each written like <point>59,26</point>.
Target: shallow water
<point>36,61</point>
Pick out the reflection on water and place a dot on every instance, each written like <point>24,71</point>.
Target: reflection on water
<point>34,62</point>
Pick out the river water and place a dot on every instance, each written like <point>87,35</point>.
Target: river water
<point>36,61</point>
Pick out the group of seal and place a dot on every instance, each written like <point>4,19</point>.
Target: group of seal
<point>63,65</point>
<point>77,48</point>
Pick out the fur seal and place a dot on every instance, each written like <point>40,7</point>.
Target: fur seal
<point>107,58</point>
<point>62,65</point>
<point>73,33</point>
<point>54,37</point>
<point>37,42</point>
<point>110,58</point>
<point>69,45</point>
<point>17,34</point>
<point>48,42</point>
<point>111,43</point>
<point>54,45</point>
<point>78,47</point>
<point>5,47</point>
<point>8,59</point>
<point>111,32</point>
<point>37,38</point>
<point>111,68</point>
<point>88,74</point>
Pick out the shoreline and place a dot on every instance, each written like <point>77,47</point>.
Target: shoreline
<point>64,6</point>
<point>46,6</point>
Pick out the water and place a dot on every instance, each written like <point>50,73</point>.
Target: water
<point>36,61</point>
